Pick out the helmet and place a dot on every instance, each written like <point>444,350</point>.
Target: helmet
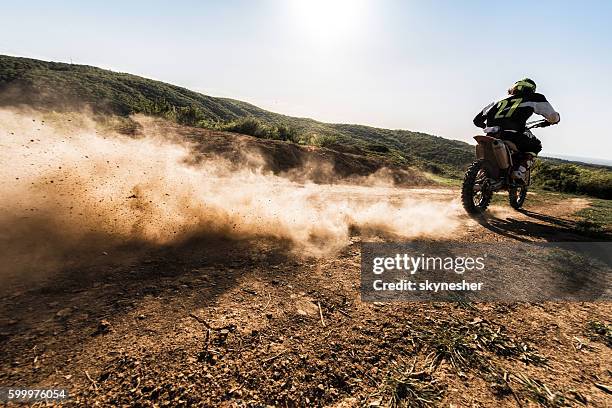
<point>524,85</point>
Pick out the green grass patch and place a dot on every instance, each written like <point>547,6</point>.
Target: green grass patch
<point>597,217</point>
<point>595,181</point>
<point>442,180</point>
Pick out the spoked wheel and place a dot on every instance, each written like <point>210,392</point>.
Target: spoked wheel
<point>517,196</point>
<point>476,191</point>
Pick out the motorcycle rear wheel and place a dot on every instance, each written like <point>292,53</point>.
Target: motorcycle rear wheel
<point>476,193</point>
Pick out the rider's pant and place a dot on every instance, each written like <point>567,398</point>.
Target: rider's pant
<point>525,142</point>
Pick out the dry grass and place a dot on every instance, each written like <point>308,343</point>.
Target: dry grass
<point>407,387</point>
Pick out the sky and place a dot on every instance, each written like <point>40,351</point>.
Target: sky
<point>426,66</point>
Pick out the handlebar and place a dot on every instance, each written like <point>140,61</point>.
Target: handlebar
<point>538,124</point>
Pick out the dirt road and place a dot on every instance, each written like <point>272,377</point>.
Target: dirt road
<point>215,321</point>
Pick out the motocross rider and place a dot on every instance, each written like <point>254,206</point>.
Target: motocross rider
<point>506,119</point>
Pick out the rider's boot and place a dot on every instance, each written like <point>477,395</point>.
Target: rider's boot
<point>521,171</point>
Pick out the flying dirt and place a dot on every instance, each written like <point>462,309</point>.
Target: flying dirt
<point>73,184</point>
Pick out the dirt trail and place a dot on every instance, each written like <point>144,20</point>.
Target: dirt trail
<point>223,322</point>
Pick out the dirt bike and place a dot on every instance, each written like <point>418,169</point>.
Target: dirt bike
<point>492,171</point>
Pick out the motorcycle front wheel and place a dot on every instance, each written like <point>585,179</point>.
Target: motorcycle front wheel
<point>517,196</point>
<point>476,191</point>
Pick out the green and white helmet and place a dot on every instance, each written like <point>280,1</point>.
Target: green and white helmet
<point>524,85</point>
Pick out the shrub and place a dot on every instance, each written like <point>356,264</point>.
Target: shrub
<point>189,115</point>
<point>247,126</point>
<point>287,133</point>
<point>379,148</point>
<point>321,140</point>
<point>571,178</point>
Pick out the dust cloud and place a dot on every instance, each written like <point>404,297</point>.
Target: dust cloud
<point>68,182</point>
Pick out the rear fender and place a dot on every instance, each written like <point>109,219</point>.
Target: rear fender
<point>484,139</point>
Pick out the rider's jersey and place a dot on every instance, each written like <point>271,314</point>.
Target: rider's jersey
<point>511,113</point>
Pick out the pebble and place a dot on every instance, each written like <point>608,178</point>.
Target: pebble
<point>64,312</point>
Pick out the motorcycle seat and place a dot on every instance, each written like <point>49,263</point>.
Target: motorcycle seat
<point>484,139</point>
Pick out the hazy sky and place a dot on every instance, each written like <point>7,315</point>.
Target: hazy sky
<point>418,65</point>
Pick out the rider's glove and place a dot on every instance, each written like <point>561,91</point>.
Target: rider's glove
<point>492,129</point>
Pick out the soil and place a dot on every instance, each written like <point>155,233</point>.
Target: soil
<point>219,322</point>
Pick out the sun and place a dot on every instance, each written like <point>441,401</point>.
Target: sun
<point>329,20</point>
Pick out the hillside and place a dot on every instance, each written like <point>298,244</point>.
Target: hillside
<point>67,86</point>
<point>63,86</point>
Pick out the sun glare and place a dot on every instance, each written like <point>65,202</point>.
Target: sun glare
<point>329,20</point>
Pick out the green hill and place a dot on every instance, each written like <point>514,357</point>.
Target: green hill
<point>63,86</point>
<point>67,86</point>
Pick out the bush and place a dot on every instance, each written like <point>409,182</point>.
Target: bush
<point>571,178</point>
<point>433,168</point>
<point>254,127</point>
<point>189,115</point>
<point>379,148</point>
<point>321,140</point>
<point>287,133</point>
<point>248,126</point>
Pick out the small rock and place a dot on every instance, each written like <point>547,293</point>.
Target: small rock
<point>103,327</point>
<point>223,336</point>
<point>63,313</point>
<point>141,317</point>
